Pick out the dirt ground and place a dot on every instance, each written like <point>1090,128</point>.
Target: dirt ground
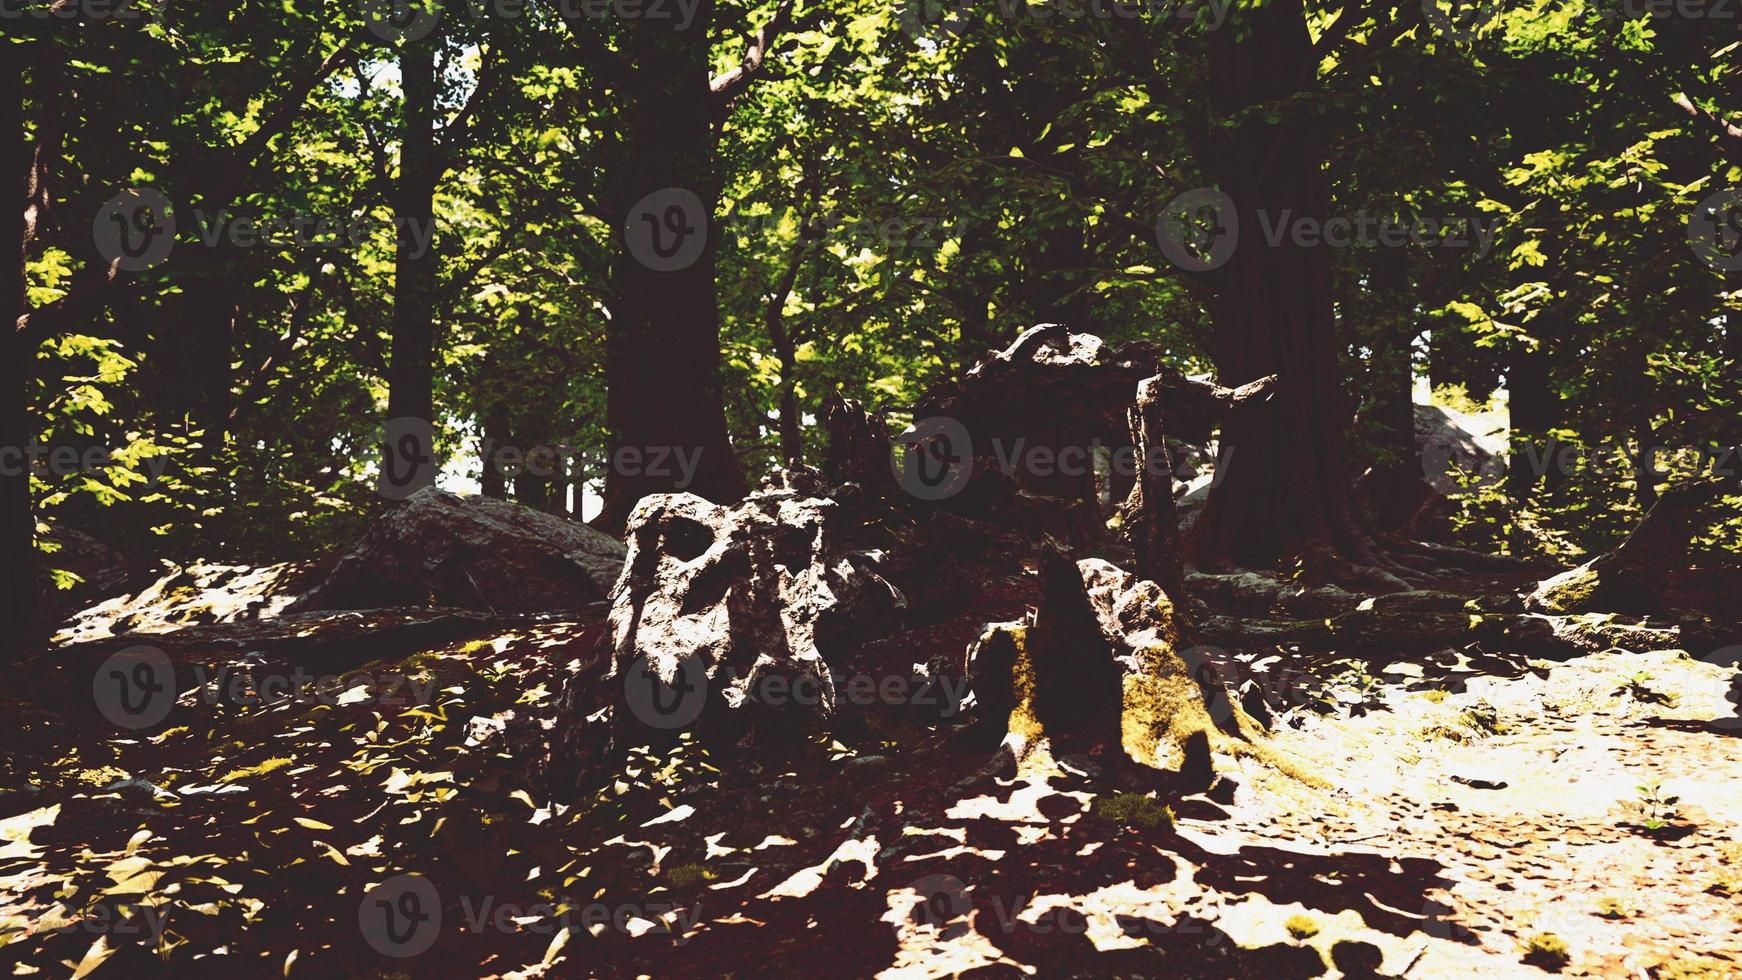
<point>1431,819</point>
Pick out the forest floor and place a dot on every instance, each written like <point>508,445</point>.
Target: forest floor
<point>1432,818</point>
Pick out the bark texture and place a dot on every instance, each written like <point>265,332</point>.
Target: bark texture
<point>17,522</point>
<point>662,355</point>
<point>1287,488</point>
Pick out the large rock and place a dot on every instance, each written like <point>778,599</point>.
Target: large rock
<point>195,595</point>
<point>1633,577</point>
<point>747,603</point>
<point>440,549</point>
<point>1458,448</point>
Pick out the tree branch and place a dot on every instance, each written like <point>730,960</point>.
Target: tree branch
<point>730,85</point>
<point>1729,134</point>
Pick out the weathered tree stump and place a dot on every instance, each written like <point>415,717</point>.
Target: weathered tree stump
<point>1099,671</point>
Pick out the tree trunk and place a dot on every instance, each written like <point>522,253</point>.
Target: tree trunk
<point>1396,487</point>
<point>1287,487</point>
<point>1632,578</point>
<point>1054,286</point>
<point>17,520</point>
<point>664,403</point>
<point>534,483</point>
<point>211,322</point>
<point>791,425</point>
<point>497,437</point>
<point>1535,409</point>
<point>411,368</point>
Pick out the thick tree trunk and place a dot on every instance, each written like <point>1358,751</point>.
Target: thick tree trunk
<point>664,401</point>
<point>1535,409</point>
<point>411,368</point>
<point>17,520</point>
<point>791,424</point>
<point>1054,286</point>
<point>211,321</point>
<point>534,482</point>
<point>1287,488</point>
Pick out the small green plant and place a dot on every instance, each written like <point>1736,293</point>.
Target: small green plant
<point>1437,695</point>
<point>1613,908</point>
<point>1301,926</point>
<point>688,876</point>
<point>1547,950</point>
<point>1133,810</point>
<point>1655,810</point>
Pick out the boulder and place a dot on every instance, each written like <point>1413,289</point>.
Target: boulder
<point>440,549</point>
<point>1633,577</point>
<point>742,609</point>
<point>198,594</point>
<point>1458,447</point>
